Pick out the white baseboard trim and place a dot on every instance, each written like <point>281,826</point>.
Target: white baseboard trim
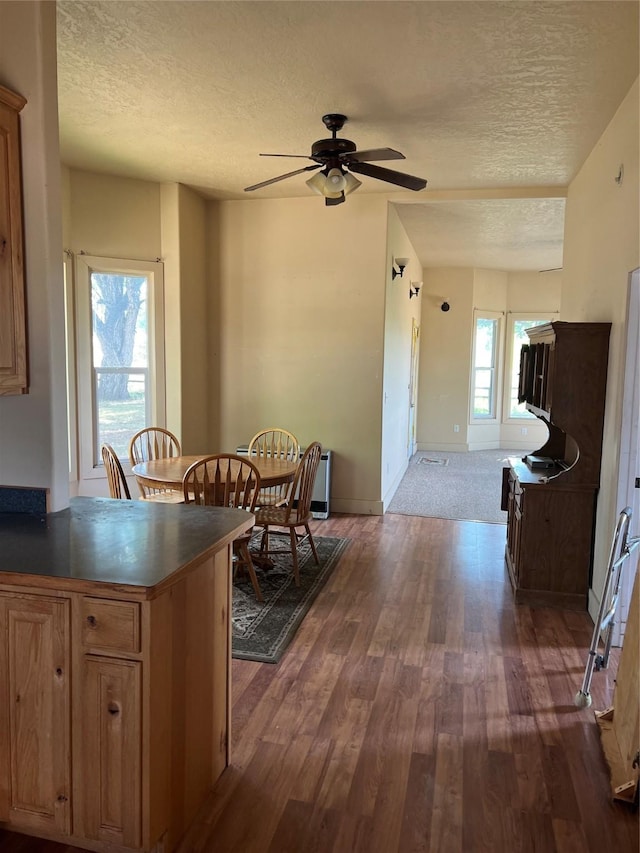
<point>356,507</point>
<point>520,445</point>
<point>393,488</point>
<point>447,448</point>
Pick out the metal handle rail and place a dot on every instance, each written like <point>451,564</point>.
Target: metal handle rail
<point>621,548</point>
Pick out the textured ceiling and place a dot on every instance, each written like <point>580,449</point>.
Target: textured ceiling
<point>477,95</point>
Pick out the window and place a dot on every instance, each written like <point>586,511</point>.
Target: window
<point>516,337</point>
<point>70,364</point>
<point>484,374</point>
<point>119,326</point>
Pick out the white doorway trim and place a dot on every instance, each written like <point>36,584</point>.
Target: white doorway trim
<point>629,466</point>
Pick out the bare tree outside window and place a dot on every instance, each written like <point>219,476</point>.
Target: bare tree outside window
<point>119,312</point>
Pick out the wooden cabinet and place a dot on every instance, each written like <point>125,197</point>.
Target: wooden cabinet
<point>111,716</point>
<point>551,510</point>
<point>13,331</point>
<point>114,706</point>
<point>35,765</point>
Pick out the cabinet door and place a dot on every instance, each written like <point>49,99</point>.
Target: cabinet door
<point>13,350</point>
<point>111,750</point>
<point>35,761</point>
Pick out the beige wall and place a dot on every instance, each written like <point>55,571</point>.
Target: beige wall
<point>188,323</point>
<point>269,321</point>
<point>490,289</point>
<point>301,331</point>
<point>601,248</point>
<point>116,217</point>
<point>110,217</point>
<point>399,316</point>
<point>446,349</point>
<point>33,427</point>
<point>445,358</point>
<point>529,292</point>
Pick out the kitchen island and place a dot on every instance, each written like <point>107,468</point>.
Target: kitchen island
<point>115,652</point>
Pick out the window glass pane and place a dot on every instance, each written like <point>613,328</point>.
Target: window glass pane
<point>485,342</point>
<point>482,393</point>
<point>118,420</point>
<point>518,410</point>
<point>120,344</point>
<point>484,362</point>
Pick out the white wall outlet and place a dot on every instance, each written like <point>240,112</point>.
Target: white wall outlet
<point>456,427</point>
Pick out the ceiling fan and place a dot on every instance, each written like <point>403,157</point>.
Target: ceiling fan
<point>337,159</point>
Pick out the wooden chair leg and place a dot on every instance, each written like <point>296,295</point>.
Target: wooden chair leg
<point>294,554</point>
<point>313,544</point>
<point>246,558</point>
<point>264,540</point>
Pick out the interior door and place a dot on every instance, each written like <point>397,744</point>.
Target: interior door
<point>413,387</point>
<point>629,472</point>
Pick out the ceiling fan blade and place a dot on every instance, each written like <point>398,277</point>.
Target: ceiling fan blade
<point>303,156</point>
<point>373,154</point>
<point>282,177</point>
<point>410,182</point>
<point>332,201</point>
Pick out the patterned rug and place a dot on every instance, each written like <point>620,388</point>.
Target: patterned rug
<point>263,630</point>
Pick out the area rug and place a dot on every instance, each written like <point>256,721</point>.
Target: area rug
<point>464,486</point>
<point>263,630</point>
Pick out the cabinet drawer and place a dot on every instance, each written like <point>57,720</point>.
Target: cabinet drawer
<point>112,625</point>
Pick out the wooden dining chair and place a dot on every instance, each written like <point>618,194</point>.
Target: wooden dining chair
<point>118,487</point>
<point>278,444</point>
<point>155,443</point>
<point>225,479</point>
<point>296,513</point>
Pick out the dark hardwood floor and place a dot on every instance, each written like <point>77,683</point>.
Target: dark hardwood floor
<point>417,709</point>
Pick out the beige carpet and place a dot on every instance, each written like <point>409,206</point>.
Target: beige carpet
<point>454,485</point>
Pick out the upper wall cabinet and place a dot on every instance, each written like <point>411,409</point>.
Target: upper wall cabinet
<point>13,328</point>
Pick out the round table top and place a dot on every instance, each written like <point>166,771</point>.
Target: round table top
<point>168,473</point>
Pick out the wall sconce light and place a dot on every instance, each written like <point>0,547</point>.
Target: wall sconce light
<point>401,263</point>
<point>414,288</point>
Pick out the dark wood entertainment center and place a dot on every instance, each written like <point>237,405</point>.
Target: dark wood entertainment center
<point>551,510</point>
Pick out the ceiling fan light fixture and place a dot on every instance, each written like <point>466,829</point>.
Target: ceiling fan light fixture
<point>334,184</point>
<point>351,183</point>
<point>317,183</point>
<point>335,181</point>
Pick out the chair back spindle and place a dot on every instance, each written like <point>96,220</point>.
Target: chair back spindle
<point>278,444</point>
<point>154,443</point>
<point>118,487</point>
<point>225,479</point>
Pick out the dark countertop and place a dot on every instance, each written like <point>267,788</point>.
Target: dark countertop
<point>100,540</point>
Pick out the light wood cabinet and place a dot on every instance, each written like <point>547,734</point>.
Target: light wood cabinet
<point>13,330</point>
<point>114,712</point>
<point>115,674</point>
<point>111,718</point>
<point>551,511</point>
<point>35,767</point>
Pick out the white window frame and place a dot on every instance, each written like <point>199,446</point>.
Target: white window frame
<point>512,318</point>
<point>90,467</point>
<point>498,316</point>
<point>70,339</point>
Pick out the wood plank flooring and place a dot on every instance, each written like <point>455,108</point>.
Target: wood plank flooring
<point>417,709</point>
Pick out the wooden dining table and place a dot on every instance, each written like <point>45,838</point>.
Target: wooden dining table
<point>168,473</point>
